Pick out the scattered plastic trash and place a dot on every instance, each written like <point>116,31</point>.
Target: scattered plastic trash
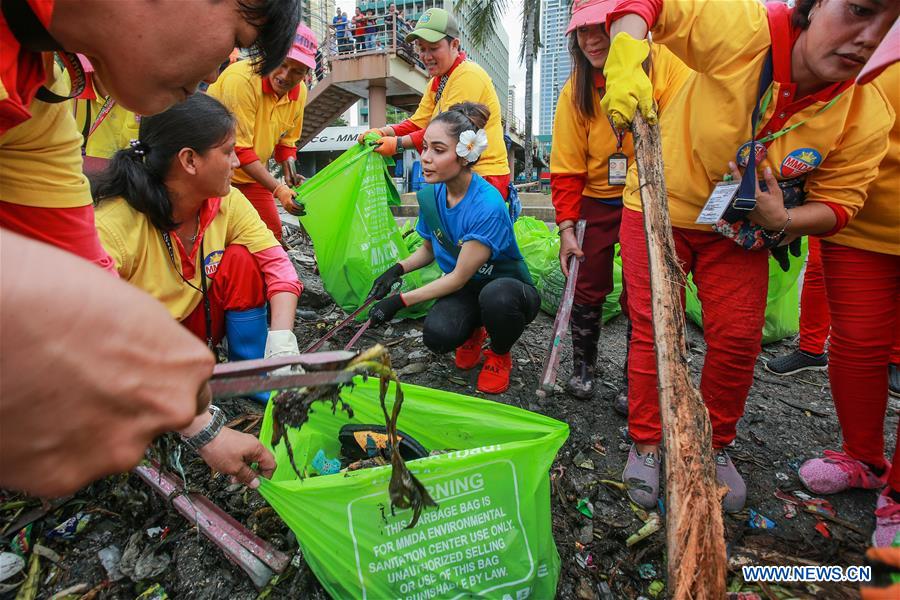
<point>325,465</point>
<point>109,558</point>
<point>759,521</point>
<point>782,476</point>
<point>646,571</point>
<point>160,532</point>
<point>661,506</point>
<point>154,592</point>
<point>822,528</point>
<point>583,462</point>
<point>586,508</point>
<point>790,510</point>
<point>71,527</point>
<point>639,512</point>
<point>604,591</point>
<point>10,564</point>
<point>616,484</point>
<point>656,588</point>
<point>46,553</point>
<point>586,534</point>
<point>584,559</point>
<point>139,562</point>
<point>650,527</point>
<point>807,503</point>
<point>21,543</point>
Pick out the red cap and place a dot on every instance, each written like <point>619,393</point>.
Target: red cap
<point>886,54</point>
<point>304,48</point>
<point>589,12</point>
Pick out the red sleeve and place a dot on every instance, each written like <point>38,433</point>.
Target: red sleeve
<point>282,152</point>
<point>566,191</point>
<point>418,139</point>
<point>841,218</point>
<point>648,10</point>
<point>278,272</point>
<point>405,128</point>
<point>246,155</point>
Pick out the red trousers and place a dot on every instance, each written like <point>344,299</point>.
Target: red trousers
<point>732,285</point>
<point>815,318</point>
<point>71,229</point>
<point>237,284</point>
<point>264,203</point>
<point>501,182</point>
<point>595,275</point>
<point>863,291</point>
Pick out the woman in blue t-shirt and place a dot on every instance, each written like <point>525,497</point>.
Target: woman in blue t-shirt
<point>486,290</point>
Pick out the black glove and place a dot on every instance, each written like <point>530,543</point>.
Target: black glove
<point>780,254</point>
<point>384,310</point>
<point>384,283</point>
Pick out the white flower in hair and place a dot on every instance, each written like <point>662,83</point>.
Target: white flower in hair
<point>472,144</point>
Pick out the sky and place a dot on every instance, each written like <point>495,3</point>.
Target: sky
<point>512,19</point>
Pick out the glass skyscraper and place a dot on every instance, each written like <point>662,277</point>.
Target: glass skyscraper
<point>554,60</point>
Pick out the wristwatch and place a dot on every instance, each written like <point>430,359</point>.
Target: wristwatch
<point>206,435</point>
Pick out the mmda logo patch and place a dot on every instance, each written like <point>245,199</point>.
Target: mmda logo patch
<point>800,161</point>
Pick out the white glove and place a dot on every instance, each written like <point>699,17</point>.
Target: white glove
<point>282,343</point>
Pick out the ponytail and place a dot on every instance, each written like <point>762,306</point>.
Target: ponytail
<point>138,173</point>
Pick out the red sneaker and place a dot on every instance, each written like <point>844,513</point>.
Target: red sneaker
<point>469,354</point>
<point>494,376</point>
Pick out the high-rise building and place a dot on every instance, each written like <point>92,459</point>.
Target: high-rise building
<point>554,59</point>
<point>510,104</point>
<point>493,57</point>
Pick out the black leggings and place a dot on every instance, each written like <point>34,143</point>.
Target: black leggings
<point>504,306</point>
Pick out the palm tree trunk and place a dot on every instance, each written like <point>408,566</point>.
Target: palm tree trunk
<point>529,45</point>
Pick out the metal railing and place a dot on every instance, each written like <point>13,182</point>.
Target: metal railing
<point>387,36</point>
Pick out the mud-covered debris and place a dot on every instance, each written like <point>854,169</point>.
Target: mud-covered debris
<point>140,562</point>
<point>413,369</point>
<point>10,564</point>
<point>110,558</point>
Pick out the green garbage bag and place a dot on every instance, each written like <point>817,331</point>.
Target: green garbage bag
<point>539,246</point>
<point>491,533</point>
<point>354,234</point>
<point>782,301</point>
<point>413,240</point>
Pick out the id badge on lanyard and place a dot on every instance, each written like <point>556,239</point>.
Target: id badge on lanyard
<point>617,163</point>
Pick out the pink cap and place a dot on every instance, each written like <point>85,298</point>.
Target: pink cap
<point>886,54</point>
<point>589,12</point>
<point>304,48</point>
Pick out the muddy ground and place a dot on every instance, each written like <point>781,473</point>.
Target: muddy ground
<point>787,420</point>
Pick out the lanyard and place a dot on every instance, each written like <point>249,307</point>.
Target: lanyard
<point>620,135</point>
<point>207,311</point>
<point>101,116</point>
<point>764,104</point>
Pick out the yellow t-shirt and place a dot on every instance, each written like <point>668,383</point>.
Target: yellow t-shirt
<point>263,119</point>
<point>876,226</point>
<point>708,120</point>
<point>583,146</point>
<point>115,131</point>
<point>40,159</point>
<point>142,258</point>
<point>469,83</point>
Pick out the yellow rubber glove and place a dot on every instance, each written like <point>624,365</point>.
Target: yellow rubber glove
<point>627,86</point>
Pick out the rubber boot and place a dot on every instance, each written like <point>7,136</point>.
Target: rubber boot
<point>584,327</point>
<point>246,331</point>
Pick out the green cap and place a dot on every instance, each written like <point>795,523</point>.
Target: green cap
<point>434,25</point>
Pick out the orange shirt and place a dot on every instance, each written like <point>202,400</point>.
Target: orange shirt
<point>838,151</point>
<point>582,146</point>
<point>264,120</point>
<point>876,226</point>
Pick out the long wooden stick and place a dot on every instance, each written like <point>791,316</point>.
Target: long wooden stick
<point>694,529</point>
<point>561,323</point>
